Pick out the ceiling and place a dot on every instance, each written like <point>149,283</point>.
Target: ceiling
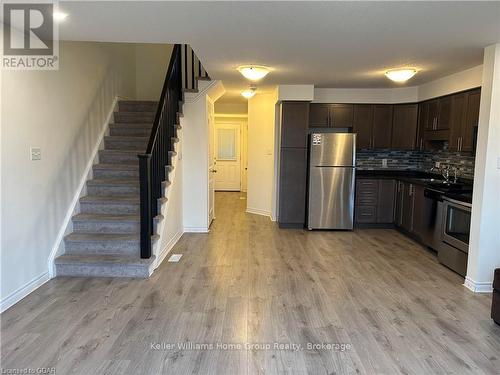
<point>329,44</point>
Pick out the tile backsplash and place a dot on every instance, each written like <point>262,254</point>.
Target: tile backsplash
<point>416,160</point>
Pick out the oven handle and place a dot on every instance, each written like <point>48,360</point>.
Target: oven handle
<point>463,205</point>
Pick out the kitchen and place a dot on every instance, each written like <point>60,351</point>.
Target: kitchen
<point>412,164</point>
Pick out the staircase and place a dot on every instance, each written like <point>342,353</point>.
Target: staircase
<point>106,233</point>
<point>115,233</point>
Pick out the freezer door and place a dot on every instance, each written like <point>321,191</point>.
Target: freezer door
<point>333,149</point>
<point>331,198</point>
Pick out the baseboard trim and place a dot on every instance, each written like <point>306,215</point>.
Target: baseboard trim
<point>79,191</point>
<point>478,287</point>
<point>258,211</point>
<point>168,247</point>
<point>196,230</point>
<point>23,291</point>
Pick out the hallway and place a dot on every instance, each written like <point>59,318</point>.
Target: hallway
<point>370,302</point>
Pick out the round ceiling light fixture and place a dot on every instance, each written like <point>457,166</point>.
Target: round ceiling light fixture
<point>248,93</point>
<point>253,72</point>
<point>59,16</point>
<point>400,75</point>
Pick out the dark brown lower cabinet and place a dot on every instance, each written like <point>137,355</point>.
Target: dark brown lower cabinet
<point>385,207</point>
<point>374,201</point>
<point>398,205</point>
<point>292,187</point>
<point>407,207</point>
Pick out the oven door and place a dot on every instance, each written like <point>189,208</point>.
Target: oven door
<point>456,226</point>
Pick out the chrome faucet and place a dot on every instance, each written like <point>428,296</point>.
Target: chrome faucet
<point>445,172</point>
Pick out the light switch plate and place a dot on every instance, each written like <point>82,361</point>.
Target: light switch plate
<point>437,164</point>
<point>175,257</point>
<point>384,163</point>
<point>35,153</point>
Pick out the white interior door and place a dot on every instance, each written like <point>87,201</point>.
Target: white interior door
<point>228,157</point>
<point>211,163</point>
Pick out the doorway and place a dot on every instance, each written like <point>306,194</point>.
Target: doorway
<point>227,142</point>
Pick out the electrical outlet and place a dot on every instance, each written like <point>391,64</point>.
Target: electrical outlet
<point>35,153</point>
<point>384,163</point>
<point>437,164</point>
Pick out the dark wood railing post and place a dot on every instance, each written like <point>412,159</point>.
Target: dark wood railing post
<point>145,191</point>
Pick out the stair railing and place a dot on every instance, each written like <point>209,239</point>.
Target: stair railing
<point>183,71</point>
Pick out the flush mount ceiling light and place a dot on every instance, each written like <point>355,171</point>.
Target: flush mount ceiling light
<point>248,93</point>
<point>59,16</point>
<point>400,75</point>
<point>253,72</point>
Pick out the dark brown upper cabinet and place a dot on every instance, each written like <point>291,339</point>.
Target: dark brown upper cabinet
<point>363,125</point>
<point>319,115</point>
<point>294,124</point>
<point>436,114</point>
<point>331,115</point>
<point>471,121</point>
<point>458,118</point>
<point>444,115</point>
<point>404,126</point>
<point>341,115</point>
<point>432,114</point>
<point>423,113</point>
<point>382,125</point>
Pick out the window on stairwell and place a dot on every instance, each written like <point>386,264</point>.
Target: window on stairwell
<point>226,144</point>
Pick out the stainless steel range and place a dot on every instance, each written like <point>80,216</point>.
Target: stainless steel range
<point>451,229</point>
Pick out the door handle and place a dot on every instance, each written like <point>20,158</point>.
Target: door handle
<point>213,170</point>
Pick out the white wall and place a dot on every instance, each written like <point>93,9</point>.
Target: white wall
<point>484,249</point>
<point>460,81</point>
<point>397,95</point>
<point>261,128</point>
<point>295,92</point>
<point>172,226</point>
<point>195,156</point>
<point>63,112</point>
<point>231,108</point>
<point>151,63</point>
<point>464,80</point>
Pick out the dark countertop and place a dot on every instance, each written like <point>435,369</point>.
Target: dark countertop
<point>462,191</point>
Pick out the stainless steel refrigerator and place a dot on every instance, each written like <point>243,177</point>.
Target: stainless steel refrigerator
<point>332,169</point>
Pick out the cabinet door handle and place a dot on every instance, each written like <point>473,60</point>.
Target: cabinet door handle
<point>421,144</point>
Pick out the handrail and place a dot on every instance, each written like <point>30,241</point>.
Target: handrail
<point>157,157</point>
<point>156,122</point>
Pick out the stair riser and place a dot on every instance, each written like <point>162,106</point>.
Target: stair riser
<point>112,190</point>
<point>112,144</point>
<point>104,247</point>
<point>107,226</point>
<point>130,132</point>
<point>108,208</point>
<point>101,271</point>
<point>121,158</point>
<point>136,118</point>
<point>113,173</point>
<point>137,107</point>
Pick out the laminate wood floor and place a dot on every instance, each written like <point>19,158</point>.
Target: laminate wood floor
<point>369,302</point>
